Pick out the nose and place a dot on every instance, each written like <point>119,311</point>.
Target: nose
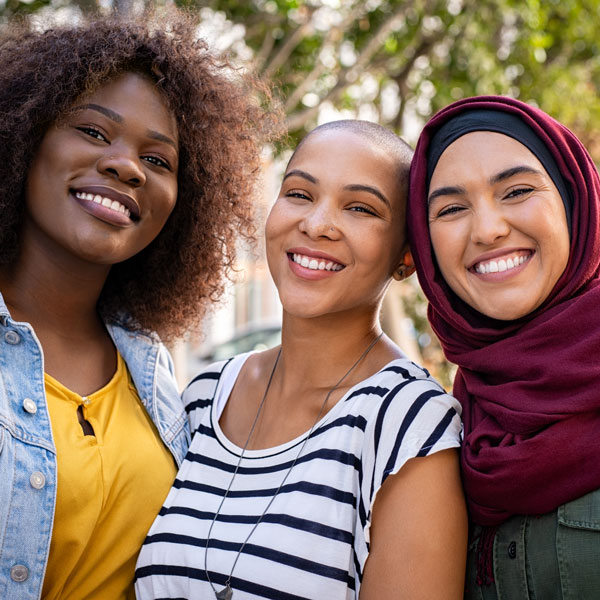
<point>122,163</point>
<point>489,225</point>
<point>320,221</point>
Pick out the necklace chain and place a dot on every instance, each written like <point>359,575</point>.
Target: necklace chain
<point>226,593</point>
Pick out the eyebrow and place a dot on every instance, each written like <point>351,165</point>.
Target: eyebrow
<point>111,114</point>
<point>302,174</point>
<point>499,177</point>
<point>508,173</point>
<point>352,187</point>
<point>117,118</point>
<point>446,191</point>
<point>358,187</point>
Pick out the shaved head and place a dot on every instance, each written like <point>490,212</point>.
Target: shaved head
<point>376,134</point>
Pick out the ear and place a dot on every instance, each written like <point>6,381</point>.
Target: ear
<point>406,268</point>
<point>410,263</point>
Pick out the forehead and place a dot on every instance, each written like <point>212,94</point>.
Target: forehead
<point>335,154</point>
<point>133,95</point>
<point>484,153</point>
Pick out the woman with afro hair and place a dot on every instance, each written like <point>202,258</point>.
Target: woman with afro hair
<point>128,156</point>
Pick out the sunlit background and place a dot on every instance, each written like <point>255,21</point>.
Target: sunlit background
<point>393,62</point>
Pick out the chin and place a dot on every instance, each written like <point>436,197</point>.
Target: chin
<point>301,312</point>
<point>508,313</point>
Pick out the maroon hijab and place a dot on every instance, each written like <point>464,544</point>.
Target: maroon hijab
<point>530,388</point>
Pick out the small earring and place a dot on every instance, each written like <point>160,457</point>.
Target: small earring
<point>399,273</point>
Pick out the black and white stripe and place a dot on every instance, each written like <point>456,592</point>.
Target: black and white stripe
<point>314,540</point>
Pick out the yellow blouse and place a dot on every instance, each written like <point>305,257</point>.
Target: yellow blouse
<point>111,485</point>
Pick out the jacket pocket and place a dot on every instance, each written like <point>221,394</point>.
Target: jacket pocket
<point>578,547</point>
<point>582,513</point>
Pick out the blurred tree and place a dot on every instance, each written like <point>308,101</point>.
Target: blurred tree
<point>397,62</point>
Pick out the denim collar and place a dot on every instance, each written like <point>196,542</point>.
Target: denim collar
<point>4,314</point>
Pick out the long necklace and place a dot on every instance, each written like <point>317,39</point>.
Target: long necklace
<point>227,593</point>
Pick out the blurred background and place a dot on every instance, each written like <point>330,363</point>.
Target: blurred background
<point>395,62</point>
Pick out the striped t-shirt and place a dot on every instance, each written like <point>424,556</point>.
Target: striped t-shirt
<point>314,540</point>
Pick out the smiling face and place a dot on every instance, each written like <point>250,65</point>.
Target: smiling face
<point>335,234</point>
<point>497,225</point>
<point>104,179</point>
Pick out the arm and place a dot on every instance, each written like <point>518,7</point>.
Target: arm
<point>418,533</point>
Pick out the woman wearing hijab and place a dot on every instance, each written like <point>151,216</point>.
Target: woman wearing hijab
<point>504,223</point>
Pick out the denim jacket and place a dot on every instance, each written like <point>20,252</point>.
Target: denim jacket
<point>27,453</point>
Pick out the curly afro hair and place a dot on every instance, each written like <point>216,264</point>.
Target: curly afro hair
<point>224,119</point>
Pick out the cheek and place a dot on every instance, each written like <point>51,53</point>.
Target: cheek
<point>171,192</point>
<point>378,250</point>
<point>444,243</point>
<point>272,230</point>
<point>448,246</point>
<point>278,222</point>
<point>558,245</point>
<point>164,202</point>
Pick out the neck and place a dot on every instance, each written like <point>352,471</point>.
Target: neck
<point>318,351</point>
<point>53,289</point>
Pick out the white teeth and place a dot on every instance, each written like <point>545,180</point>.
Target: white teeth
<point>316,265</point>
<point>501,265</point>
<point>107,202</point>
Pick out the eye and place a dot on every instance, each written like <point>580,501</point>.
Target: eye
<point>93,132</point>
<point>159,162</point>
<point>448,211</point>
<point>297,194</point>
<point>521,191</point>
<point>361,208</point>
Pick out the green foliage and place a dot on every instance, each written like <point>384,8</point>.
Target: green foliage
<point>427,52</point>
<point>18,7</point>
<point>399,61</point>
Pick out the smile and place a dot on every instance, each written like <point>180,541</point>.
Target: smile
<point>314,264</point>
<point>504,264</point>
<point>104,201</point>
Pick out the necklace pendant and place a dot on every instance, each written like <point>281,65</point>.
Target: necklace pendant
<point>225,594</point>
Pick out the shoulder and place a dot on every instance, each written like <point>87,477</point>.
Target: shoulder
<point>213,384</point>
<point>402,380</point>
<point>205,382</point>
<point>409,406</point>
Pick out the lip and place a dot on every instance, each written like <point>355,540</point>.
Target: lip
<point>112,194</point>
<point>315,254</point>
<point>501,252</point>
<point>311,274</point>
<point>501,276</point>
